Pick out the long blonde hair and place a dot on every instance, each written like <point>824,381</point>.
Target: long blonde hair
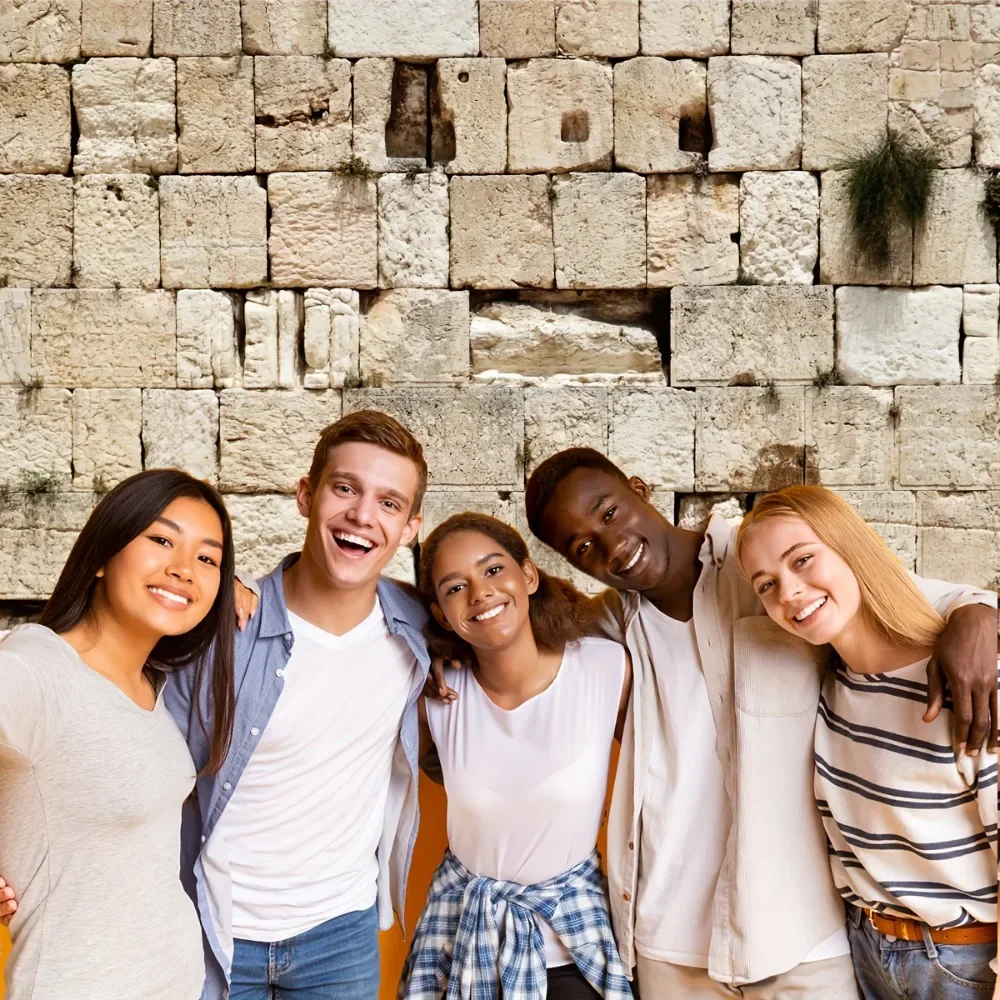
<point>891,603</point>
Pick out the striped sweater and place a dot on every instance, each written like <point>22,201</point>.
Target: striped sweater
<point>912,830</point>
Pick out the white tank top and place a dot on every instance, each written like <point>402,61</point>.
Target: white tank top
<point>526,787</point>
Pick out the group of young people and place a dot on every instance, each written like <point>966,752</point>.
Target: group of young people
<point>805,804</point>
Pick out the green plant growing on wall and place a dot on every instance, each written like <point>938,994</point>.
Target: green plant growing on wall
<point>991,199</point>
<point>34,484</point>
<point>889,186</point>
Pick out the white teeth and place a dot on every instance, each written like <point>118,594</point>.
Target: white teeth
<point>176,598</point>
<point>346,536</point>
<point>492,613</point>
<point>807,611</point>
<point>634,559</point>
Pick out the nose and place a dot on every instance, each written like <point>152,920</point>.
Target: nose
<point>789,588</point>
<point>481,590</point>
<point>362,511</point>
<point>180,568</point>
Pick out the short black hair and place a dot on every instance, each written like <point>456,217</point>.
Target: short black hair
<point>544,481</point>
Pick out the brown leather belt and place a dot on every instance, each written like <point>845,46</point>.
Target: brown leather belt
<point>911,930</point>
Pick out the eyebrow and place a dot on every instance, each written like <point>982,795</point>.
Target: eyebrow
<point>180,531</point>
<point>479,562</point>
<point>403,499</point>
<point>784,555</point>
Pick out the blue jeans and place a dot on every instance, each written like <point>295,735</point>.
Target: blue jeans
<point>890,969</point>
<point>337,960</point>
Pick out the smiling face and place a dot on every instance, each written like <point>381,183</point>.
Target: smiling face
<point>165,581</point>
<point>481,593</point>
<point>359,512</point>
<point>806,587</point>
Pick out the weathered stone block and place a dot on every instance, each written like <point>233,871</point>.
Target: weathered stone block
<point>116,235</point>
<point>844,107</point>
<point>896,336</point>
<point>685,28</point>
<point>303,109</point>
<point>501,232</point>
<point>262,348</point>
<point>987,121</point>
<point>760,333</point>
<point>444,421</point>
<point>560,116</point>
<point>107,441</point>
<point>696,509</point>
<point>517,29</point>
<point>849,436</point>
<point>36,428</point>
<point>958,537</point>
<point>116,27</point>
<point>413,231</point>
<point>750,439</point>
<point>196,27</point>
<point>284,27</point>
<point>416,335</point>
<point>471,96</point>
<point>41,31</point>
<point>956,243</point>
<point>533,341</point>
<point>215,115</point>
<point>324,230</point>
<point>893,515</point>
<point>928,124</point>
<point>34,119</point>
<point>948,436</point>
<point>100,339</point>
<point>755,103</point>
<point>212,232</point>
<point>266,438</point>
<point>608,28</point>
<point>331,337</point>
<point>599,229</point>
<point>980,361</point>
<point>655,100</point>
<point>36,229</point>
<point>564,417</point>
<point>651,435</point>
<point>265,530</point>
<point>861,25</point>
<point>774,27</point>
<point>206,340</point>
<point>180,428</point>
<point>125,110</point>
<point>441,504</point>
<point>984,22</point>
<point>691,222</point>
<point>779,227</point>
<point>373,85</point>
<point>15,336</point>
<point>419,30</point>
<point>980,317</point>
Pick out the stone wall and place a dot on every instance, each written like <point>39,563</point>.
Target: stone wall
<point>516,224</point>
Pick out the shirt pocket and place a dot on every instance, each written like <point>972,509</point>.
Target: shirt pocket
<point>776,673</point>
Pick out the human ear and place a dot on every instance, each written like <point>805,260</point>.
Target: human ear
<point>411,529</point>
<point>303,496</point>
<point>530,571</point>
<point>636,485</point>
<point>440,618</point>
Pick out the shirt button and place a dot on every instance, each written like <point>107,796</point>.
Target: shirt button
<point>203,840</point>
<point>228,786</point>
<point>631,845</point>
<point>288,637</point>
<point>626,896</point>
<point>255,731</point>
<point>279,672</point>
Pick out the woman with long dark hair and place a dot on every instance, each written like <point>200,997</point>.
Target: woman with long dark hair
<point>519,899</point>
<point>93,770</point>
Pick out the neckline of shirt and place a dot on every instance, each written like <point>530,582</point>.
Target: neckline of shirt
<point>535,698</point>
<point>373,624</point>
<point>895,672</point>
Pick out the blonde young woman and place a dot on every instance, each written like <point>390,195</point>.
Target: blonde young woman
<point>912,828</point>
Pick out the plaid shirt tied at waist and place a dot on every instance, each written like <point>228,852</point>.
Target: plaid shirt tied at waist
<point>459,953</point>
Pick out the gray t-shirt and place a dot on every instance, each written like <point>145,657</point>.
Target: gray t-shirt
<point>91,787</point>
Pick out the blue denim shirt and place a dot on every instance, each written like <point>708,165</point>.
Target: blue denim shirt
<point>261,652</point>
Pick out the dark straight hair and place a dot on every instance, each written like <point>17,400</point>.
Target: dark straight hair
<point>121,516</point>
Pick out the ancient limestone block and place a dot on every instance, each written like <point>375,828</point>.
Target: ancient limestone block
<point>180,428</point>
<point>418,30</point>
<point>750,439</point>
<point>206,340</point>
<point>441,504</point>
<point>472,103</point>
<point>928,124</point>
<point>684,27</point>
<point>40,31</point>
<point>265,530</point>
<point>303,109</point>
<point>849,436</point>
<point>774,27</point>
<point>125,109</point>
<point>501,232</point>
<point>956,243</point>
<point>751,333</point>
<point>560,115</point>
<point>861,25</point>
<point>958,537</point>
<point>34,119</point>
<point>517,29</point>
<point>373,85</point>
<point>324,230</point>
<point>691,222</point>
<point>15,336</point>
<point>755,103</point>
<point>839,262</point>
<point>107,442</point>
<point>987,122</point>
<point>36,229</point>
<point>519,337</point>
<point>563,417</point>
<point>896,336</point>
<point>36,428</point>
<point>416,335</point>
<point>779,227</point>
<point>651,435</point>
<point>266,438</point>
<point>413,230</point>
<point>331,337</point>
<point>893,515</point>
<point>116,234</point>
<point>284,27</point>
<point>695,510</point>
<point>980,361</point>
<point>212,232</point>
<point>985,22</point>
<point>116,27</point>
<point>599,229</point>
<point>980,315</point>
<point>196,27</point>
<point>656,102</point>
<point>271,321</point>
<point>608,28</point>
<point>844,107</point>
<point>215,115</point>
<point>100,339</point>
<point>446,420</point>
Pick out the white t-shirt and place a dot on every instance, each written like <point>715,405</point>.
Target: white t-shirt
<point>302,828</point>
